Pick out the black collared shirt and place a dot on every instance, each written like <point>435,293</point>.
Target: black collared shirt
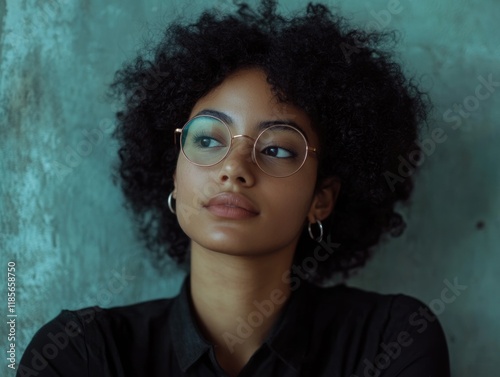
<point>334,332</point>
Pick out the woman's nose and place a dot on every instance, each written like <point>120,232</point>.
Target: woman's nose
<point>238,166</point>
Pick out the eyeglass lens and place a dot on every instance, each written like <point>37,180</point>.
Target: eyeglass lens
<point>279,151</point>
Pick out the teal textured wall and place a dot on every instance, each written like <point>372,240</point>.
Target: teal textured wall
<point>61,217</point>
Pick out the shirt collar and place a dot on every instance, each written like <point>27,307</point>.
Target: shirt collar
<point>292,328</point>
<point>290,335</point>
<point>190,345</point>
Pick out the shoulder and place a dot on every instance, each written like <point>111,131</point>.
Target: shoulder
<point>93,320</point>
<point>139,313</point>
<point>70,343</point>
<point>385,312</point>
<point>395,332</point>
<point>356,301</point>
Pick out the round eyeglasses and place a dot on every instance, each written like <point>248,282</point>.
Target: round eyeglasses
<point>279,150</point>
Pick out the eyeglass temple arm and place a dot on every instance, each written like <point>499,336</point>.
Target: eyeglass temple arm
<point>177,131</point>
<point>312,150</point>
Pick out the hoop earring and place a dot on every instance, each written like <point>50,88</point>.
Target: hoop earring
<point>169,202</point>
<point>317,239</point>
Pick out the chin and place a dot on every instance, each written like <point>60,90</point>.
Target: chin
<point>227,244</point>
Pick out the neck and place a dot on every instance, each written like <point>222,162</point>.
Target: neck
<point>237,299</point>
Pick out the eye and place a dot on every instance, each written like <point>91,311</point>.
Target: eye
<point>206,142</point>
<point>278,152</point>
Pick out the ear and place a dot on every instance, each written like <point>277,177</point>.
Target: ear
<point>324,199</point>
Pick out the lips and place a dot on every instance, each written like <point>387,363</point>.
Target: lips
<point>231,205</point>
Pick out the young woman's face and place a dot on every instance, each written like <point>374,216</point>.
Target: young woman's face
<point>233,206</point>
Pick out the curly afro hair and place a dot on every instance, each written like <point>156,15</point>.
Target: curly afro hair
<point>364,110</point>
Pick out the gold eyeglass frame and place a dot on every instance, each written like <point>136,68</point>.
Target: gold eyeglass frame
<point>309,150</point>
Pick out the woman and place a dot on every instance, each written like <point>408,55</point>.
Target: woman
<point>255,152</point>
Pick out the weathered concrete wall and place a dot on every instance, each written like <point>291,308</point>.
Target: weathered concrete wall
<point>61,217</point>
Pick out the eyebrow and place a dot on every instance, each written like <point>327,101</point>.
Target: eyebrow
<point>262,125</point>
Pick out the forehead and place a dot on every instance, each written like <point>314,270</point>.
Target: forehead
<point>247,98</point>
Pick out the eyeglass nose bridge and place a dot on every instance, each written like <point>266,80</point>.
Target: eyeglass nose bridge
<point>252,147</point>
<point>248,137</point>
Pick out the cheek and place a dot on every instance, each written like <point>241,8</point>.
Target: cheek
<point>194,186</point>
<point>297,195</point>
<point>286,212</point>
<point>291,201</point>
<point>186,181</point>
